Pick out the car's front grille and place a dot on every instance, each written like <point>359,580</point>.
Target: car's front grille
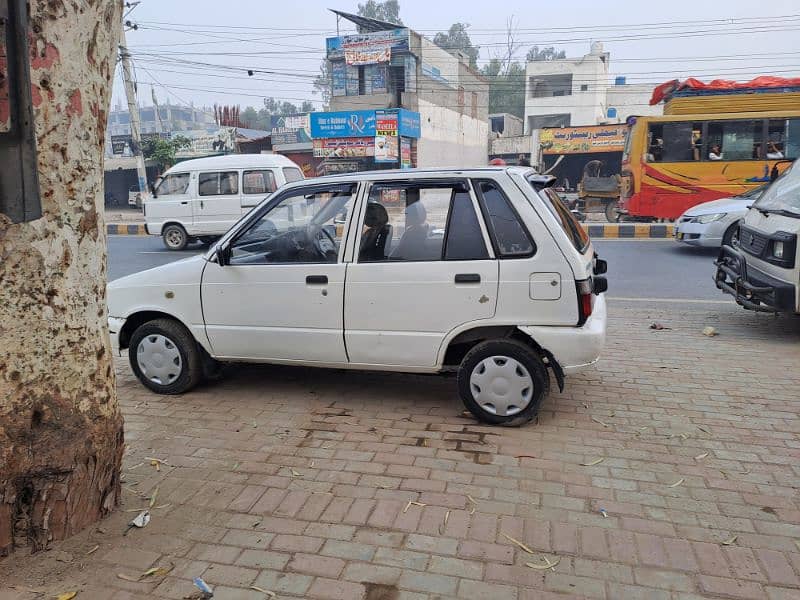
<point>751,241</point>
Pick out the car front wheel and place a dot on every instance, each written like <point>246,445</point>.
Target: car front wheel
<point>165,357</point>
<point>502,382</point>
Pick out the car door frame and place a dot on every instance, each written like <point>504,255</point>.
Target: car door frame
<point>354,241</point>
<point>213,256</point>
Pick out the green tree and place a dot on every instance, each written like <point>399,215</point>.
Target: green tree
<point>506,87</point>
<point>388,11</point>
<point>537,54</point>
<point>163,151</point>
<point>457,38</point>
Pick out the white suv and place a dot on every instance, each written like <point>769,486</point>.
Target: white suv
<point>480,271</point>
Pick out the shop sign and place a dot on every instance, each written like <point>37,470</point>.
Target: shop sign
<point>386,149</point>
<point>368,48</point>
<point>583,140</point>
<point>405,153</point>
<point>344,147</point>
<point>360,123</point>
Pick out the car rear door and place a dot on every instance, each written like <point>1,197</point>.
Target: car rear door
<point>422,268</point>
<point>217,205</point>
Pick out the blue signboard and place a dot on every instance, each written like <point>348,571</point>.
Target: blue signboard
<point>367,48</point>
<point>339,75</point>
<point>359,123</point>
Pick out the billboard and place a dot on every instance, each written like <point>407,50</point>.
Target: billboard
<point>344,147</point>
<point>361,123</point>
<point>368,48</point>
<point>583,140</point>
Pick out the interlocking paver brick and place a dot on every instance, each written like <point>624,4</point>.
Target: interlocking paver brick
<point>427,582</point>
<point>313,564</point>
<point>349,550</point>
<point>296,543</point>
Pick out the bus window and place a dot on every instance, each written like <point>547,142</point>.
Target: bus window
<point>674,142</point>
<point>737,140</point>
<point>783,139</point>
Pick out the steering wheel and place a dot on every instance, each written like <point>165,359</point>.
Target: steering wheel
<point>317,239</point>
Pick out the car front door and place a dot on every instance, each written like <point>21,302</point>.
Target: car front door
<point>279,294</point>
<point>171,201</point>
<point>217,205</point>
<point>422,268</point>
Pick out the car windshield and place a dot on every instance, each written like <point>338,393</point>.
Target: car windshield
<point>783,195</point>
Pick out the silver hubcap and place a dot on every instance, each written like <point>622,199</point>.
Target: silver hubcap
<point>174,238</point>
<point>159,359</point>
<point>501,386</point>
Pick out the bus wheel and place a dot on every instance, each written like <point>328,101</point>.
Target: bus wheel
<point>612,212</point>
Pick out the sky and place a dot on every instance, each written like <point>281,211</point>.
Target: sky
<point>283,42</point>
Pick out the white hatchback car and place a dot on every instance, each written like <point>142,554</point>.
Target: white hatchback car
<point>480,271</point>
<point>716,223</point>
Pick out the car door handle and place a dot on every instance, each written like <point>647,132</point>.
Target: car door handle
<point>468,278</point>
<point>185,202</point>
<point>317,280</point>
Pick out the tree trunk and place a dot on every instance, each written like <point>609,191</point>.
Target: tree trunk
<point>61,435</point>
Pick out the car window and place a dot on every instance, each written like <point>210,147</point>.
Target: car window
<point>292,174</point>
<point>575,232</point>
<point>220,183</point>
<point>407,222</point>
<point>508,233</point>
<point>258,182</point>
<point>305,226</point>
<point>173,185</point>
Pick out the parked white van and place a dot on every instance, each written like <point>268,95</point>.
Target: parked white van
<point>483,272</point>
<point>201,199</point>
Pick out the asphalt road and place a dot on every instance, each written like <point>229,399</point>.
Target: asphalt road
<point>654,270</point>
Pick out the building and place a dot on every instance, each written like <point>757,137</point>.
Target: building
<point>170,118</point>
<point>399,101</point>
<point>507,140</point>
<point>579,91</point>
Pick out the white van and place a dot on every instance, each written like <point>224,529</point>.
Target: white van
<point>762,270</point>
<point>203,198</point>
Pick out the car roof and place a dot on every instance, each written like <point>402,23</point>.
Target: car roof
<point>233,161</point>
<point>438,172</point>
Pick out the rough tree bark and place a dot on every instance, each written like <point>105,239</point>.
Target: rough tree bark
<point>61,435</point>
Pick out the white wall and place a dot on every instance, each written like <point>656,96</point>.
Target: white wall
<point>631,100</point>
<point>450,139</point>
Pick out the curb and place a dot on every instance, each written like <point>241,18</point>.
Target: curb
<point>125,229</point>
<point>630,231</point>
<point>602,230</point>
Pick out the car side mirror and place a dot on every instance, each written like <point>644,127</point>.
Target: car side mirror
<point>152,190</point>
<point>223,254</point>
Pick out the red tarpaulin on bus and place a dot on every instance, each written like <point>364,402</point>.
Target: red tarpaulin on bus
<point>663,91</point>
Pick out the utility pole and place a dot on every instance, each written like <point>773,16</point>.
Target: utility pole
<point>133,111</point>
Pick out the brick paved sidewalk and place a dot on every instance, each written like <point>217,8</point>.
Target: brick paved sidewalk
<point>298,481</point>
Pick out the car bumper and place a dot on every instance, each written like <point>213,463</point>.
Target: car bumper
<point>751,288</point>
<point>698,234</point>
<point>574,348</point>
<point>115,325</point>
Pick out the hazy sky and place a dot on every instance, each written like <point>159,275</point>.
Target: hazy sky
<point>289,37</point>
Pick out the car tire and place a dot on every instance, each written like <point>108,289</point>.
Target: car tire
<point>731,236</point>
<point>165,357</point>
<point>503,382</point>
<point>611,211</point>
<point>175,237</point>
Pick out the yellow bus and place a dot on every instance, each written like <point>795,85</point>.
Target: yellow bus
<point>673,162</point>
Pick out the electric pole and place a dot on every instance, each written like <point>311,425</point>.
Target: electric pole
<point>133,111</point>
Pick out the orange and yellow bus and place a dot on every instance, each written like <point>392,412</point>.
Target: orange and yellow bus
<point>673,162</point>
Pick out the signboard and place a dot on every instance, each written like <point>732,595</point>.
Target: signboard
<point>344,147</point>
<point>583,140</point>
<point>386,122</point>
<point>351,80</point>
<point>386,149</point>
<point>291,129</point>
<point>360,123</point>
<point>368,48</point>
<point>120,142</point>
<point>405,153</point>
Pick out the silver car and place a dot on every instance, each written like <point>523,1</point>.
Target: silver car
<point>716,223</point>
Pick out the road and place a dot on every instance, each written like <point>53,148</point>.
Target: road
<point>642,270</point>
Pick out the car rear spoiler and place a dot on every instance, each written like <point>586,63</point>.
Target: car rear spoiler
<point>540,182</point>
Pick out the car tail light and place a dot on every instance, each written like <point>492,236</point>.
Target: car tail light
<point>585,300</point>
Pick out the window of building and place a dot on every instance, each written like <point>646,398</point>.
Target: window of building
<point>474,111</point>
<point>421,222</point>
<point>397,74</point>
<point>362,81</point>
<point>498,124</point>
<point>539,121</point>
<point>584,87</point>
<point>258,182</point>
<point>548,86</point>
<point>222,183</point>
<point>509,235</point>
<point>734,140</point>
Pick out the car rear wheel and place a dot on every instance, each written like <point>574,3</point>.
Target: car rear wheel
<point>502,382</point>
<point>175,237</point>
<point>164,357</point>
